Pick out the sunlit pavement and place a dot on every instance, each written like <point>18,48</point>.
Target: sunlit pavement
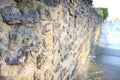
<point>108,56</point>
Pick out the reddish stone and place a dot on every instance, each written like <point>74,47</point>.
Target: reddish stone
<point>14,22</point>
<point>60,16</point>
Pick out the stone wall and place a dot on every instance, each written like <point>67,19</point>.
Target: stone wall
<point>50,43</point>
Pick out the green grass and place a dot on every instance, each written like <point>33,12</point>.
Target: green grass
<point>103,12</point>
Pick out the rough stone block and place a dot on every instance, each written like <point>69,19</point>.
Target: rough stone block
<point>49,42</point>
<point>40,60</point>
<point>56,48</point>
<point>12,61</point>
<point>72,21</point>
<point>21,35</point>
<point>6,2</point>
<point>48,29</point>
<point>65,3</point>
<point>44,14</point>
<point>12,15</point>
<point>48,14</point>
<point>72,10</point>
<point>53,3</point>
<point>56,26</point>
<point>60,16</point>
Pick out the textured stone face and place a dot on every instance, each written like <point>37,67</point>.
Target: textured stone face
<point>12,15</point>
<point>55,48</point>
<point>24,35</point>
<point>48,14</point>
<point>5,2</point>
<point>50,2</point>
<point>23,39</point>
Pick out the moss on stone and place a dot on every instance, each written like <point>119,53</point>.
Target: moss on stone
<point>33,5</point>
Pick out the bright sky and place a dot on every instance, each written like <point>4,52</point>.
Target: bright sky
<point>112,5</point>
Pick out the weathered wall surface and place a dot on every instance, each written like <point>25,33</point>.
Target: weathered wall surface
<point>50,43</point>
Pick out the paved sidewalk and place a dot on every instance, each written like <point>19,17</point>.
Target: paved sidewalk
<point>109,55</point>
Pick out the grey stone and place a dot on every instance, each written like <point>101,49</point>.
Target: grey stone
<point>20,37</point>
<point>12,15</point>
<point>48,14</point>
<point>73,73</point>
<point>6,2</point>
<point>20,34</point>
<point>12,61</point>
<point>56,25</point>
<point>57,68</point>
<point>3,46</point>
<point>35,43</point>
<point>78,13</point>
<point>65,3</point>
<point>50,2</point>
<point>64,71</point>
<point>0,56</point>
<point>45,14</point>
<point>64,57</point>
<point>40,60</point>
<point>21,54</point>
